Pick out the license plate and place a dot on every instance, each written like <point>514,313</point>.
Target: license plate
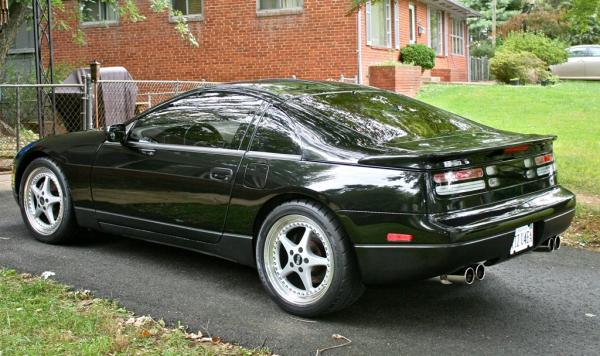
<point>523,239</point>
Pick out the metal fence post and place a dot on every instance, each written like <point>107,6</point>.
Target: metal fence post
<point>18,121</point>
<point>89,99</point>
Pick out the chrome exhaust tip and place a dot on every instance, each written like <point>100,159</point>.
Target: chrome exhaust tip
<point>548,245</point>
<point>480,272</point>
<point>463,276</point>
<point>557,243</point>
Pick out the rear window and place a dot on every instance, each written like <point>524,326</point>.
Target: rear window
<point>385,118</point>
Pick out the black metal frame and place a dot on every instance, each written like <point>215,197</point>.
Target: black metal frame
<point>42,35</point>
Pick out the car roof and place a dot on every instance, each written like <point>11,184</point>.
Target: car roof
<point>286,89</point>
<point>585,46</point>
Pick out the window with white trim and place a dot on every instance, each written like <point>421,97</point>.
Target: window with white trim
<point>280,4</point>
<point>458,37</point>
<point>411,23</point>
<point>396,25</point>
<point>188,7</point>
<point>436,30</point>
<point>97,11</point>
<point>379,23</point>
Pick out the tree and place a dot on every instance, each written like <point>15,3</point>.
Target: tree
<point>20,11</point>
<point>584,20</point>
<point>481,28</point>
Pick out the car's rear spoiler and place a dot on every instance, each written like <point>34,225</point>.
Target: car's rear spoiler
<point>429,159</point>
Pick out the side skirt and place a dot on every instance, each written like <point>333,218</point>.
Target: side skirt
<point>232,247</point>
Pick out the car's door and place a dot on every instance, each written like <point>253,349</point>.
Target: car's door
<point>592,63</point>
<point>575,66</point>
<point>173,174</point>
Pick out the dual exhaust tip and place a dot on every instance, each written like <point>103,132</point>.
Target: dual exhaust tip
<point>466,275</point>
<point>552,244</point>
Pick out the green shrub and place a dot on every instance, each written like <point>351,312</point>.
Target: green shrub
<point>548,50</point>
<point>483,48</point>
<point>418,55</point>
<point>525,66</point>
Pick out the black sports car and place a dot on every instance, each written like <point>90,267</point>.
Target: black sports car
<point>322,186</point>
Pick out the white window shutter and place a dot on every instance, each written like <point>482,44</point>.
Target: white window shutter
<point>388,23</point>
<point>368,19</point>
<point>396,24</point>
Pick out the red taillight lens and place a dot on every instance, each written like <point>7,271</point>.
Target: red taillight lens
<point>547,158</point>
<point>393,237</point>
<point>515,149</point>
<point>457,176</point>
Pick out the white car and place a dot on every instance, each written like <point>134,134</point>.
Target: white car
<point>583,63</point>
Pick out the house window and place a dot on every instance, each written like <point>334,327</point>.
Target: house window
<point>97,11</point>
<point>280,4</point>
<point>411,23</point>
<point>379,23</point>
<point>458,37</point>
<point>188,7</point>
<point>436,30</point>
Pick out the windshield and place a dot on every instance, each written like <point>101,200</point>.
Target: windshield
<point>386,118</point>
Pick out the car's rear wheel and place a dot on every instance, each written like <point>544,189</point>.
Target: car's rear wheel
<point>305,261</point>
<point>45,202</point>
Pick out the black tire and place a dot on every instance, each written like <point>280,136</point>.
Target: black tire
<point>345,285</point>
<point>66,228</point>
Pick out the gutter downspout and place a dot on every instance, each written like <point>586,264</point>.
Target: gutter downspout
<point>359,44</point>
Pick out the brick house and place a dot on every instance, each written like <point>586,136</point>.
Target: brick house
<point>251,39</point>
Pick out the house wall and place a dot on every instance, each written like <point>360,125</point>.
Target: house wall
<point>447,68</point>
<point>235,43</point>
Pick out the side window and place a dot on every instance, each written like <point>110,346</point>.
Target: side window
<point>217,120</point>
<point>578,52</point>
<point>276,135</point>
<point>594,51</point>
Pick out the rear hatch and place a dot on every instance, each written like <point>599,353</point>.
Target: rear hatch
<point>476,169</point>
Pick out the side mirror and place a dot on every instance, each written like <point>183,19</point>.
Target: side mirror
<point>116,133</point>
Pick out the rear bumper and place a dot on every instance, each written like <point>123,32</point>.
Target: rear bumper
<point>386,263</point>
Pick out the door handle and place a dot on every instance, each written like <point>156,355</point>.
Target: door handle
<point>223,174</point>
<point>147,151</point>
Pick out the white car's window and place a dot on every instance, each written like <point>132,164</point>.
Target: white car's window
<point>578,52</point>
<point>594,51</point>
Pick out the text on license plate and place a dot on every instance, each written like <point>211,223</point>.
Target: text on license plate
<point>523,239</point>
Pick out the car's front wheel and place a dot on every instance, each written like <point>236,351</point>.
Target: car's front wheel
<point>45,202</point>
<point>305,261</point>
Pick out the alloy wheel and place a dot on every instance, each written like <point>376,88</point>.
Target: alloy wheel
<point>298,259</point>
<point>43,200</point>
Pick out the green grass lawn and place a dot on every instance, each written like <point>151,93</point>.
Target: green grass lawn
<point>42,317</point>
<point>570,110</point>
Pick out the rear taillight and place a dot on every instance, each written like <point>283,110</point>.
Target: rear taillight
<point>455,182</point>
<point>457,176</point>
<point>547,158</point>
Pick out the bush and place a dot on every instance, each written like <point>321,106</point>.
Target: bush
<point>483,48</point>
<point>525,66</point>
<point>548,50</point>
<point>418,55</point>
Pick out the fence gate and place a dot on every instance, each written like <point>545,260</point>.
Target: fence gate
<point>480,69</point>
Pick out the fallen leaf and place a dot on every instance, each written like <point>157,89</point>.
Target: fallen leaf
<point>48,274</point>
<point>216,340</point>
<point>145,333</point>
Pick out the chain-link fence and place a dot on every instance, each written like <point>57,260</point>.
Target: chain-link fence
<point>68,108</point>
<point>62,110</point>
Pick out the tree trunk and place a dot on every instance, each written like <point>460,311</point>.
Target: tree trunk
<point>17,17</point>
